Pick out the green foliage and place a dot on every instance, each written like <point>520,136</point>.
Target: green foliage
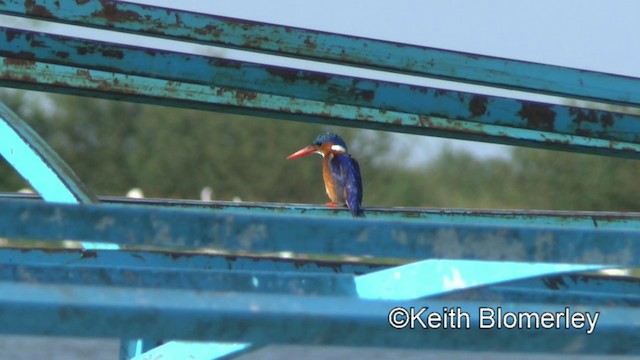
<point>174,153</point>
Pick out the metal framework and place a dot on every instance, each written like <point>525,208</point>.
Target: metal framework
<point>163,270</point>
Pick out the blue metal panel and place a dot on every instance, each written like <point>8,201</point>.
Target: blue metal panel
<point>133,259</point>
<point>256,233</point>
<point>487,110</point>
<point>435,277</point>
<point>583,289</point>
<point>294,283</point>
<point>200,315</point>
<point>582,219</point>
<point>322,46</point>
<point>80,81</point>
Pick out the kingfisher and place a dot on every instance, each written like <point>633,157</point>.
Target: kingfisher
<point>340,171</point>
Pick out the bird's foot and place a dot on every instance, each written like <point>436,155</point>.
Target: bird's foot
<point>331,204</point>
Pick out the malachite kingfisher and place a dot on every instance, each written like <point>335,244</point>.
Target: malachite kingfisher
<point>340,171</point>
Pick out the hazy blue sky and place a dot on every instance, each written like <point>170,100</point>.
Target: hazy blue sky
<point>586,34</point>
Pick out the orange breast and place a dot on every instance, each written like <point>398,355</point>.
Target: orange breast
<point>329,185</point>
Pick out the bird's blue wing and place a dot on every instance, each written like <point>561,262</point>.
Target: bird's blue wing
<point>348,181</point>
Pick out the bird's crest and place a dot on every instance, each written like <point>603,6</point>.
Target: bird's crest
<point>330,137</point>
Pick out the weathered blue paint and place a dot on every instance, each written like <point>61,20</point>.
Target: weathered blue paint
<point>436,277</point>
<point>581,219</point>
<point>34,160</point>
<point>328,47</point>
<point>80,81</point>
<point>87,311</point>
<point>170,260</point>
<point>583,289</point>
<point>171,228</point>
<point>294,283</point>
<point>248,293</point>
<point>192,350</point>
<point>475,108</point>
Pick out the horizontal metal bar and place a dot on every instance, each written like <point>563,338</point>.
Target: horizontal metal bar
<point>80,81</point>
<point>76,268</point>
<point>70,310</point>
<point>157,64</point>
<point>175,260</point>
<point>555,218</point>
<point>328,47</point>
<point>584,289</point>
<point>248,282</point>
<point>259,233</point>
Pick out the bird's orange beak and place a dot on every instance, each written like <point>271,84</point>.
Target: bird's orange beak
<point>303,152</point>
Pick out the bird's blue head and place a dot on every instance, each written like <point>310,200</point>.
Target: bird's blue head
<point>324,144</point>
<point>330,138</point>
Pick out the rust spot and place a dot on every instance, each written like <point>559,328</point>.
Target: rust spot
<point>82,50</point>
<point>62,54</point>
<point>84,73</point>
<point>38,43</point>
<point>242,96</point>
<point>36,10</point>
<point>606,120</point>
<point>554,282</point>
<point>10,35</point>
<point>118,54</point>
<point>440,92</point>
<point>209,30</point>
<point>538,116</point>
<point>89,254</point>
<point>82,2</point>
<point>111,13</point>
<point>310,43</point>
<point>478,105</point>
<point>20,62</point>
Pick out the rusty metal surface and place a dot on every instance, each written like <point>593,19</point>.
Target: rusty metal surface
<point>247,282</point>
<point>172,228</point>
<point>328,47</point>
<point>180,260</point>
<point>581,219</point>
<point>21,46</point>
<point>276,319</point>
<point>80,81</point>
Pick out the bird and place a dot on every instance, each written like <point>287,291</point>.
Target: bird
<point>340,171</point>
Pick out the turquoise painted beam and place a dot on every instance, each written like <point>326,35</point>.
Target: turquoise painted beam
<point>334,48</point>
<point>81,81</point>
<point>253,233</point>
<point>180,260</point>
<point>88,311</point>
<point>558,218</point>
<point>186,68</point>
<point>436,277</point>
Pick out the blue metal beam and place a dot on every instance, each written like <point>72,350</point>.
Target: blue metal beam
<point>248,282</point>
<point>259,233</point>
<point>583,289</point>
<point>582,219</point>
<point>70,310</point>
<point>157,64</point>
<point>328,47</point>
<point>80,81</point>
<point>133,259</point>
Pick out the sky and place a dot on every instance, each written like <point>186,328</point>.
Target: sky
<point>585,34</point>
